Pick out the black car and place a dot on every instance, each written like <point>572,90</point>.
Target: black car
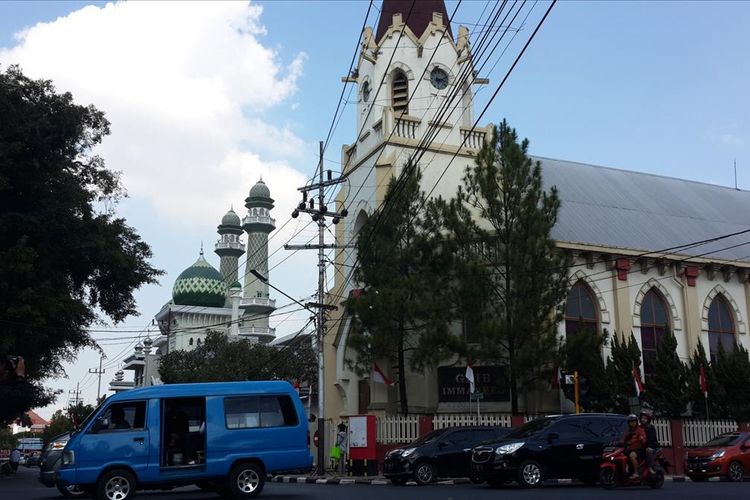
<point>50,461</point>
<point>560,446</point>
<point>441,453</point>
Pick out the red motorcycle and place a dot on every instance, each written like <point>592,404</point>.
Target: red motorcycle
<point>614,470</point>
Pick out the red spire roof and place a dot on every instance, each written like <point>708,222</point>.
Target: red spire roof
<point>417,14</point>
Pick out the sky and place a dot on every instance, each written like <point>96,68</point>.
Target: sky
<point>205,98</point>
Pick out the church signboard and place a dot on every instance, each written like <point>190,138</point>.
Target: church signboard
<point>491,381</point>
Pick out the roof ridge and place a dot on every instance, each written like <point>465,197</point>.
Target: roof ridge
<point>618,169</point>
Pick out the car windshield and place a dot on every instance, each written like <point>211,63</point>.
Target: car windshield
<point>530,428</point>
<point>428,438</point>
<point>724,440</point>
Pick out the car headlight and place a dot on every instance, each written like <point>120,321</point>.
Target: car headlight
<point>68,458</point>
<point>507,449</point>
<point>393,452</point>
<point>718,454</point>
<point>407,452</point>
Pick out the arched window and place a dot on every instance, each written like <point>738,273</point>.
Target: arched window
<point>190,342</point>
<point>580,310</point>
<point>400,92</point>
<point>720,327</point>
<point>654,324</point>
<point>198,343</point>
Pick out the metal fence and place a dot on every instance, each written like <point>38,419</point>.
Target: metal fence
<point>663,431</point>
<point>462,419</point>
<point>398,429</point>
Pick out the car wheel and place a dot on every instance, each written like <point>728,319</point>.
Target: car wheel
<point>246,480</point>
<point>530,474</point>
<point>71,491</point>
<point>736,472</point>
<point>117,484</point>
<point>698,479</point>
<point>607,478</point>
<point>424,473</point>
<point>398,481</point>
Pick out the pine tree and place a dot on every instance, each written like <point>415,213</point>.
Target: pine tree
<point>667,386</point>
<point>625,355</point>
<point>582,352</point>
<point>526,275</point>
<point>403,314</point>
<point>716,393</point>
<point>732,371</point>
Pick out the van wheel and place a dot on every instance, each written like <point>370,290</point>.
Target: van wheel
<point>530,474</point>
<point>71,491</point>
<point>117,484</point>
<point>424,473</point>
<point>246,480</point>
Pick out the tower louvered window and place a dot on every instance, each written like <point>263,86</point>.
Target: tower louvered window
<point>400,92</point>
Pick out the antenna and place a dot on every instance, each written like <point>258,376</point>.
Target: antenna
<point>735,173</point>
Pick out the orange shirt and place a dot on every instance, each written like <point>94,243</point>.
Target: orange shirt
<point>635,439</point>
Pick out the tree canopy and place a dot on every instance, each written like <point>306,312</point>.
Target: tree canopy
<point>220,359</point>
<point>67,262</point>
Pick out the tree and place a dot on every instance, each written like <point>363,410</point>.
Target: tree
<point>732,370</point>
<point>220,359</point>
<point>509,216</point>
<point>63,421</point>
<point>66,261</point>
<point>625,356</point>
<point>582,352</point>
<point>716,393</point>
<point>403,311</point>
<point>667,386</point>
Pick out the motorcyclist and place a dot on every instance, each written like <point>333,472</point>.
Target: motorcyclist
<point>635,444</point>
<point>652,441</point>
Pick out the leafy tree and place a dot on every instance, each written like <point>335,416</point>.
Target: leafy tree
<point>667,386</point>
<point>509,215</point>
<point>732,370</point>
<point>716,393</point>
<point>8,440</point>
<point>66,261</point>
<point>403,312</point>
<point>582,352</point>
<point>220,359</point>
<point>625,355</point>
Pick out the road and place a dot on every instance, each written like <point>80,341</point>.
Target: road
<point>24,486</point>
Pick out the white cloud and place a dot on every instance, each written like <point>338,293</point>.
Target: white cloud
<point>187,87</point>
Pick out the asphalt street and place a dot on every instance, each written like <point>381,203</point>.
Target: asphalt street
<point>24,486</point>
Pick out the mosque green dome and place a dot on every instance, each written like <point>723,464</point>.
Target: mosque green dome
<point>200,285</point>
<point>231,219</point>
<point>260,190</point>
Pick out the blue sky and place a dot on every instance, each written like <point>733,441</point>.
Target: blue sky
<point>658,87</point>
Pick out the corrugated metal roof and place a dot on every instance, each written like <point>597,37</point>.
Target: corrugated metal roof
<point>645,212</point>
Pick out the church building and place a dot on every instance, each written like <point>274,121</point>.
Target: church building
<point>628,233</point>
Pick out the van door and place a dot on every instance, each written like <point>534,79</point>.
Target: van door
<point>119,435</point>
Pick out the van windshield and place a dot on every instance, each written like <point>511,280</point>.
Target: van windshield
<point>530,428</point>
<point>88,418</point>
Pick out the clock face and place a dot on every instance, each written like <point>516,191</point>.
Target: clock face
<point>366,91</point>
<point>439,78</point>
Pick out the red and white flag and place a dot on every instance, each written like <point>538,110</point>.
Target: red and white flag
<point>379,377</point>
<point>639,389</point>
<point>470,377</point>
<point>704,382</point>
<point>296,386</point>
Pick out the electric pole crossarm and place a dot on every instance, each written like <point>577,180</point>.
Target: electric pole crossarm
<point>322,183</point>
<point>310,246</point>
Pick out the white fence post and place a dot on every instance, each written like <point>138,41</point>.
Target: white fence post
<point>697,432</point>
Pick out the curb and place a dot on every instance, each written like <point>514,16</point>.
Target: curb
<point>381,481</point>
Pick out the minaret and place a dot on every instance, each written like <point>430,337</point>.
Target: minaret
<point>229,247</point>
<point>256,302</point>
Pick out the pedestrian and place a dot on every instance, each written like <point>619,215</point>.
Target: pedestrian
<point>342,442</point>
<point>15,459</point>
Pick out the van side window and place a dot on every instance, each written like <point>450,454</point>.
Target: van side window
<point>259,411</point>
<point>123,416</point>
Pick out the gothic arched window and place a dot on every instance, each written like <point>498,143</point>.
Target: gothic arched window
<point>400,92</point>
<point>580,310</point>
<point>654,324</point>
<point>190,342</point>
<point>720,327</point>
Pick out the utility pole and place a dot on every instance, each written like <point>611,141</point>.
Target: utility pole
<point>99,374</point>
<point>319,215</point>
<point>76,396</point>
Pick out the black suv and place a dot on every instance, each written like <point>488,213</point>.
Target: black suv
<point>441,453</point>
<point>560,446</point>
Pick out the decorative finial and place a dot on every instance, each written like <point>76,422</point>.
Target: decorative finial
<point>201,248</point>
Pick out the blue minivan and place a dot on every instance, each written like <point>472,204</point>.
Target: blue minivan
<point>223,436</point>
